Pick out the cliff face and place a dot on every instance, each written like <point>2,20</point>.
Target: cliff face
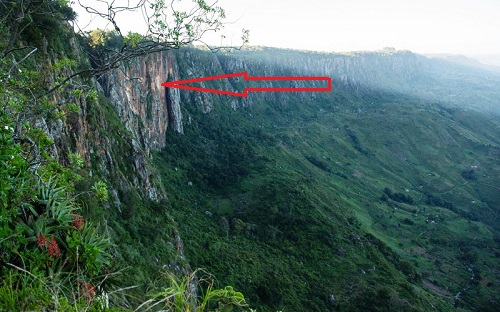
<point>115,132</point>
<point>122,162</point>
<point>146,109</point>
<point>400,72</point>
<point>119,150</point>
<point>357,70</point>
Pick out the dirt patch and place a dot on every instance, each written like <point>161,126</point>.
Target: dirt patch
<point>436,289</point>
<point>418,251</point>
<point>358,174</point>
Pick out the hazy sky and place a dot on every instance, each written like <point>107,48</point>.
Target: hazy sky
<point>468,27</point>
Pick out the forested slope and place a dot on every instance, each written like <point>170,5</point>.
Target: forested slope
<point>379,195</point>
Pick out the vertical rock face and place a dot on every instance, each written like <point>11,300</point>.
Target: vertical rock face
<point>123,165</point>
<point>144,107</point>
<point>116,155</point>
<point>148,110</point>
<point>356,70</point>
<point>173,99</point>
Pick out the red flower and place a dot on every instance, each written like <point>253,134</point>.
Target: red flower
<point>54,250</point>
<point>52,246</point>
<point>41,240</point>
<point>77,221</point>
<point>87,291</point>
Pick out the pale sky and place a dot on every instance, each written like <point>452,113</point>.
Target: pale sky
<point>469,27</point>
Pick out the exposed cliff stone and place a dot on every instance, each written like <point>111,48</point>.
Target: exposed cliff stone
<point>92,134</point>
<point>357,70</point>
<point>173,98</point>
<point>144,107</point>
<point>133,93</point>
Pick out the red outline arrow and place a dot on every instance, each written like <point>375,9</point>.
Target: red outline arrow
<point>180,84</point>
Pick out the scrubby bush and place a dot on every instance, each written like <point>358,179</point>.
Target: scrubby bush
<point>399,197</point>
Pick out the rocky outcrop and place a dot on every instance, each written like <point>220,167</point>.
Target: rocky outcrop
<point>146,109</point>
<point>356,70</point>
<point>173,99</point>
<point>119,155</point>
<point>92,135</point>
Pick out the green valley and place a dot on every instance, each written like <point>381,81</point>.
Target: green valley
<point>284,199</point>
<point>117,194</point>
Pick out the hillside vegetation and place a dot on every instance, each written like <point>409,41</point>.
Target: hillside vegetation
<point>381,195</point>
<point>374,198</point>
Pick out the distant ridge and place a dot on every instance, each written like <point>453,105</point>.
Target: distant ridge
<point>467,61</point>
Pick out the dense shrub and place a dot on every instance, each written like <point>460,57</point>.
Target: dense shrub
<point>399,197</point>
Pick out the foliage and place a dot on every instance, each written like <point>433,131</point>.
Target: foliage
<point>182,295</point>
<point>469,174</point>
<point>399,197</point>
<point>437,201</point>
<point>31,20</point>
<point>168,27</point>
<point>76,161</point>
<point>223,158</point>
<point>51,256</point>
<point>100,190</point>
<point>46,240</point>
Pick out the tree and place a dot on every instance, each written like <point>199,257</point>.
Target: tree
<point>30,24</point>
<point>167,28</point>
<point>36,36</point>
<point>51,257</point>
<point>24,18</point>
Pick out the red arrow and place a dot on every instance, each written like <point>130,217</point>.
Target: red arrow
<point>181,84</point>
